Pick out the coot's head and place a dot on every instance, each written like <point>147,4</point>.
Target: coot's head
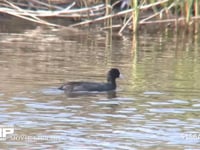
<point>113,74</point>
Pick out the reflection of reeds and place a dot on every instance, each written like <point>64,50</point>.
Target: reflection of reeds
<point>175,12</point>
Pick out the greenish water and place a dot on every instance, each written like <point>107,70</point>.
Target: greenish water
<point>156,105</point>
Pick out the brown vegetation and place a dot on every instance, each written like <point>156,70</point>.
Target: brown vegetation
<point>104,14</point>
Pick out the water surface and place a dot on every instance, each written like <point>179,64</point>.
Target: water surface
<point>156,105</point>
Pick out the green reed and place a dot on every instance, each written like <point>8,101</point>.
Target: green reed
<point>187,9</point>
<point>135,14</point>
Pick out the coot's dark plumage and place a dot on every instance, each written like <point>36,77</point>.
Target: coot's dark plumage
<point>94,86</point>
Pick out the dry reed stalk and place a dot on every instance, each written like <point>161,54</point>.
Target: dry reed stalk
<point>118,14</point>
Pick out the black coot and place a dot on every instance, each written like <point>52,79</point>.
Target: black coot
<point>93,86</point>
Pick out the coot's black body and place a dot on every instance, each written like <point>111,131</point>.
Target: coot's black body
<point>93,86</point>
